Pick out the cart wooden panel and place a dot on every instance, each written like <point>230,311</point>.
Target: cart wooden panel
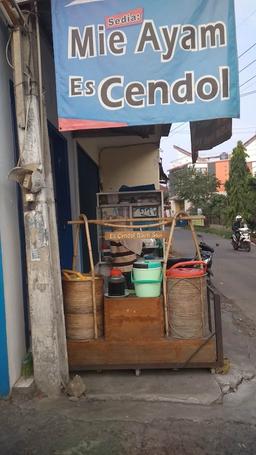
<point>133,318</point>
<point>162,353</point>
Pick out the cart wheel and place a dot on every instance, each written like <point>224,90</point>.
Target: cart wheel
<point>137,372</point>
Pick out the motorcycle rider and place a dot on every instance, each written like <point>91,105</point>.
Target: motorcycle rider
<point>238,224</point>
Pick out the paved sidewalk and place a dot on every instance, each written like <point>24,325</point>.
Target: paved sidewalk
<point>189,387</point>
<point>201,387</point>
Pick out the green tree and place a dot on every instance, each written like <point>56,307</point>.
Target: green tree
<point>252,202</point>
<point>216,209</point>
<point>237,186</point>
<point>193,185</point>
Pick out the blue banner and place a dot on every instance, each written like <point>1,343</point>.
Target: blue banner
<point>123,63</point>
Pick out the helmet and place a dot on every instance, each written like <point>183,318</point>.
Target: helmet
<point>238,217</point>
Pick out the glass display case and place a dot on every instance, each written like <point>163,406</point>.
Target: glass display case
<point>130,205</point>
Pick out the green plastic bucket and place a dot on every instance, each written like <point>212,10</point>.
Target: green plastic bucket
<point>147,281</point>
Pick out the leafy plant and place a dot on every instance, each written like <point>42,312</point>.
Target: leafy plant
<point>193,185</point>
<point>238,186</point>
<point>216,209</point>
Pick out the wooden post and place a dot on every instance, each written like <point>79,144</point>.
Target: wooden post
<point>42,251</point>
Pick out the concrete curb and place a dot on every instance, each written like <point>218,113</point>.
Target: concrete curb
<point>203,400</point>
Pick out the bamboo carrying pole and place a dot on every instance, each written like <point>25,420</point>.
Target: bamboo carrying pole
<point>126,220</point>
<point>167,250</point>
<point>75,253</point>
<point>129,226</point>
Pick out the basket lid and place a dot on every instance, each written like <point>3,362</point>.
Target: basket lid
<point>184,270</point>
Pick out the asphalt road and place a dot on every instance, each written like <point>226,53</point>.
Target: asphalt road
<point>234,271</point>
<point>60,427</point>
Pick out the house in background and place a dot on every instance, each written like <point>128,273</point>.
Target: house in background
<point>215,165</point>
<point>250,146</point>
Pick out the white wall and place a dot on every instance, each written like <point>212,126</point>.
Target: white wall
<point>9,225</point>
<point>91,147</point>
<point>129,165</point>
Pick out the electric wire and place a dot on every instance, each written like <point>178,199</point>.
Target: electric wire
<point>248,93</point>
<point>176,128</point>
<point>7,51</point>
<point>251,85</point>
<point>247,50</point>
<point>253,77</point>
<point>246,18</point>
<point>247,66</point>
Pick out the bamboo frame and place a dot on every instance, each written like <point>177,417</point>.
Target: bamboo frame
<point>129,220</point>
<point>167,251</point>
<point>84,221</point>
<point>195,240</point>
<point>88,238</point>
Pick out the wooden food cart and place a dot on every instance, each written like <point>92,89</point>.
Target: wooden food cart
<point>136,331</point>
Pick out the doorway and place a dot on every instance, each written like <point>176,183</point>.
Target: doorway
<point>59,157</point>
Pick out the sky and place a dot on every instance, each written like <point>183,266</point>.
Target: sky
<point>245,127</point>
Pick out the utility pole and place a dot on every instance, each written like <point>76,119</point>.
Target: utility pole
<point>35,176</point>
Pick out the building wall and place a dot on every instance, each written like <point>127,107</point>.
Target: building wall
<point>91,147</point>
<point>129,165</point>
<point>9,227</point>
<point>177,206</point>
<point>222,173</point>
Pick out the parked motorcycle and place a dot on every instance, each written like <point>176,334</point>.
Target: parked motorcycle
<point>206,252</point>
<point>242,242</point>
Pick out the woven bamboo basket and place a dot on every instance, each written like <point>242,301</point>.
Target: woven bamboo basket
<point>188,307</point>
<point>78,304</point>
